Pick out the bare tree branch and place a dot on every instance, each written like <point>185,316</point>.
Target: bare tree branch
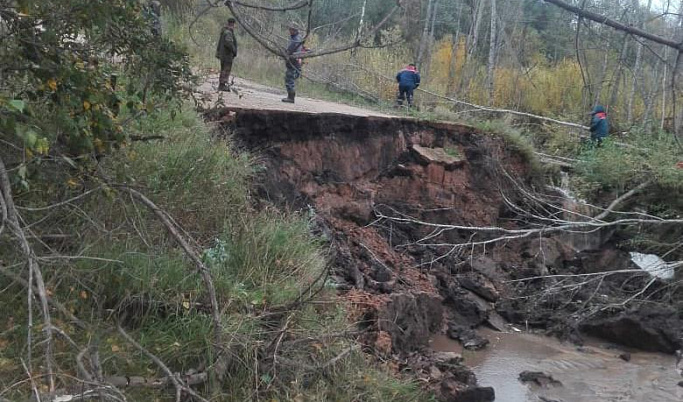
<point>296,6</point>
<point>11,217</point>
<point>616,24</point>
<point>189,251</point>
<point>180,387</point>
<point>280,51</point>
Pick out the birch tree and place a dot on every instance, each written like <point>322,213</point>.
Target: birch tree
<point>493,45</point>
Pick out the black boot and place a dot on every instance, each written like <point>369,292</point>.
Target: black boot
<point>223,87</point>
<point>290,97</point>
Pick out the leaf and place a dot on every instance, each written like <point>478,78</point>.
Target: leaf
<point>186,305</point>
<point>115,348</point>
<point>266,378</point>
<point>86,105</point>
<point>84,295</point>
<point>22,171</point>
<point>69,161</point>
<point>31,137</point>
<point>52,84</point>
<point>17,104</point>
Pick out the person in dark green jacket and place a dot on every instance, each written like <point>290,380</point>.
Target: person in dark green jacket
<point>226,52</point>
<point>599,125</point>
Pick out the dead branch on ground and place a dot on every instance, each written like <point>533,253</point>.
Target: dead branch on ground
<point>12,219</point>
<point>175,378</point>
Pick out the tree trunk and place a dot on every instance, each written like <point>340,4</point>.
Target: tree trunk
<point>650,99</point>
<point>430,39</point>
<point>361,21</point>
<point>493,44</point>
<point>453,64</point>
<point>425,35</point>
<point>664,88</point>
<point>601,80</point>
<point>472,42</point>
<point>473,37</point>
<point>359,31</point>
<point>639,60</point>
<point>616,82</point>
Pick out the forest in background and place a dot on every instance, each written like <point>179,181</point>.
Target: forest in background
<point>524,55</point>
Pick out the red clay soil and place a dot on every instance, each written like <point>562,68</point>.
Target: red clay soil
<point>351,169</point>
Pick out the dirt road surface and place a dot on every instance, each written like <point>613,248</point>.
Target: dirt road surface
<point>250,95</point>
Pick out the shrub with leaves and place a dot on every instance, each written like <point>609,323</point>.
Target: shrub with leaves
<point>73,73</point>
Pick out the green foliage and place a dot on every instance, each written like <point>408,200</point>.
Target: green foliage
<point>644,157</point>
<point>60,64</point>
<point>261,261</point>
<point>514,139</point>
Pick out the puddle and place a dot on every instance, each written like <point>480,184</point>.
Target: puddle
<point>591,375</point>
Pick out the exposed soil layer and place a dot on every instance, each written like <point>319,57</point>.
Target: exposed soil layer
<point>402,278</point>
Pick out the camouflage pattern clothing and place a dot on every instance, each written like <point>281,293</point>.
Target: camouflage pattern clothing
<point>153,13</point>
<point>226,51</point>
<point>293,64</point>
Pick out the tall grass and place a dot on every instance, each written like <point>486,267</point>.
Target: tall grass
<point>262,262</point>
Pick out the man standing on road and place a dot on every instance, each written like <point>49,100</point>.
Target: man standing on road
<point>293,63</point>
<point>226,52</point>
<point>408,80</point>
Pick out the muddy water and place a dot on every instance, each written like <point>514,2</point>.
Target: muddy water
<point>593,373</point>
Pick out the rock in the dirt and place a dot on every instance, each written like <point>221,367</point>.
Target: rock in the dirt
<point>451,391</point>
<point>487,267</point>
<point>435,373</point>
<point>383,343</point>
<point>480,286</point>
<point>447,358</point>
<point>625,357</point>
<point>469,308</point>
<point>497,322</point>
<point>680,383</point>
<point>410,319</point>
<point>467,337</point>
<point>649,329</point>
<point>437,155</point>
<point>539,378</point>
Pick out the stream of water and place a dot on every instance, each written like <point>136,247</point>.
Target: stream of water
<point>592,373</point>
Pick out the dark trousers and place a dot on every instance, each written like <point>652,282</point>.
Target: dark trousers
<point>291,75</point>
<point>405,93</point>
<point>597,140</point>
<point>226,68</point>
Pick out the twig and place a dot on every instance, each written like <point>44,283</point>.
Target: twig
<point>621,199</point>
<point>172,228</point>
<point>318,367</point>
<point>33,383</point>
<point>12,219</point>
<point>180,387</point>
<point>60,307</point>
<point>59,204</point>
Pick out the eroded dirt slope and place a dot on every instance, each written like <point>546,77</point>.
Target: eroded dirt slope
<point>404,281</point>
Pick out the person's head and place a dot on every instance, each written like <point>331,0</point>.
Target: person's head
<point>598,109</point>
<point>412,67</point>
<point>293,29</point>
<point>231,23</point>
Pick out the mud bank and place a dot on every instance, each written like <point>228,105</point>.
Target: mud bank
<point>406,281</point>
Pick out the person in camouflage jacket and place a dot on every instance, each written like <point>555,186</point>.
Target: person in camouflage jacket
<point>226,52</point>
